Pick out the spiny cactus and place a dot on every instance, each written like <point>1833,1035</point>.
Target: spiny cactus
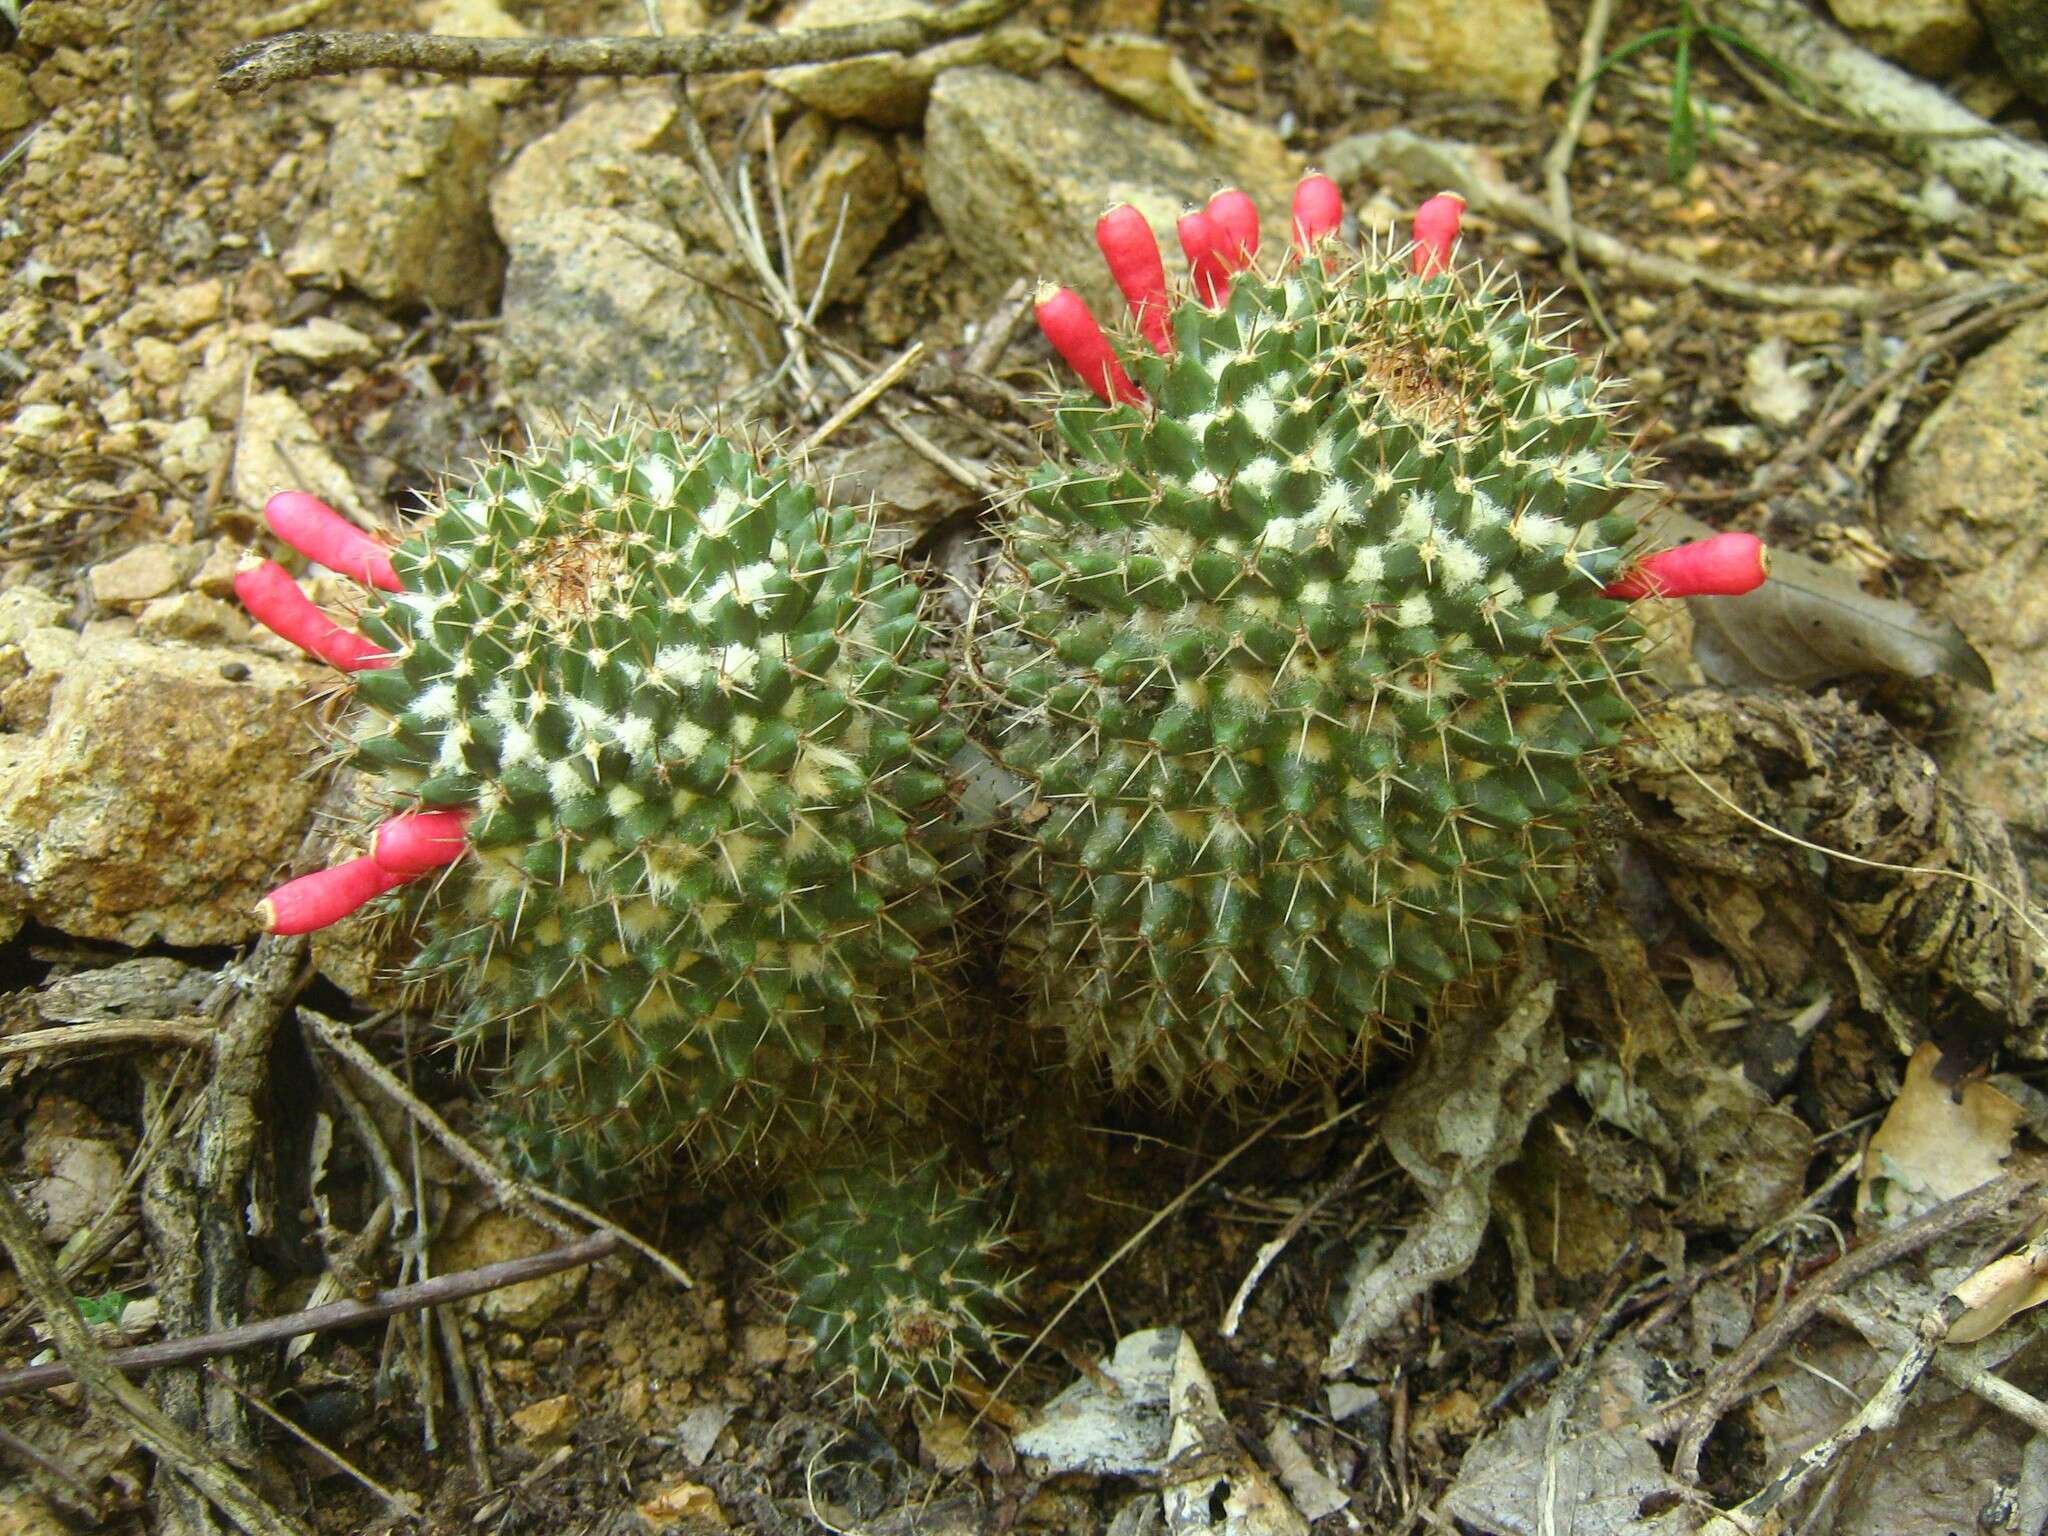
<point>896,1275</point>
<point>680,731</point>
<point>1309,642</point>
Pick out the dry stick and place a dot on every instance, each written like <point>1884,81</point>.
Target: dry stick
<point>1882,1333</point>
<point>251,1002</point>
<point>1272,1250</point>
<point>401,1506</point>
<point>1724,1387</point>
<point>514,1194</point>
<point>302,55</point>
<point>788,315</point>
<point>1882,1409</point>
<point>1823,431</point>
<point>1094,1279</point>
<point>1448,163</point>
<point>866,395</point>
<point>350,1313</point>
<point>65,1037</point>
<point>169,1442</point>
<point>1557,164</point>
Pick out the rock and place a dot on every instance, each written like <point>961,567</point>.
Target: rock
<point>191,450</point>
<point>1966,497</point>
<point>2019,30</point>
<point>890,89</point>
<point>681,1502</point>
<point>834,168</point>
<point>278,450</point>
<point>494,1237</point>
<point>406,183</point>
<point>135,576</point>
<point>195,617</point>
<point>1484,50</point>
<point>164,795</point>
<point>1018,171</point>
<point>322,340</point>
<point>18,108</point>
<point>1930,37</point>
<point>609,232</point>
<point>546,1422</point>
<point>1148,73</point>
<point>75,1165</point>
<point>24,1513</point>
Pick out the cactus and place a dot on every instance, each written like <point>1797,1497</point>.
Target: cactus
<point>682,730</point>
<point>894,1273</point>
<point>1305,644</point>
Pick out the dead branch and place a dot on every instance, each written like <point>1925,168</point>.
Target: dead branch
<point>439,1291</point>
<point>129,1404</point>
<point>89,1037</point>
<point>273,61</point>
<point>1724,1387</point>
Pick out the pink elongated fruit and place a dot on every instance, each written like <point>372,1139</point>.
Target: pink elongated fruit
<point>327,538</point>
<point>1318,211</point>
<point>1236,219</point>
<point>325,896</point>
<point>419,842</point>
<point>1725,565</point>
<point>1068,324</point>
<point>1199,243</point>
<point>1436,232</point>
<point>1131,252</point>
<point>276,602</point>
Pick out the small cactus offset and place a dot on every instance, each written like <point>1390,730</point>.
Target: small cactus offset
<point>679,732</point>
<point>1310,644</point>
<point>896,1275</point>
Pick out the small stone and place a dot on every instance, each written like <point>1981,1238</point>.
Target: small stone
<point>852,171</point>
<point>1485,50</point>
<point>680,1502</point>
<point>546,1421</point>
<point>406,183</point>
<point>191,305</point>
<point>195,617</point>
<point>217,566</point>
<point>190,450</point>
<point>43,424</point>
<point>76,1168</point>
<point>278,450</point>
<point>765,1345</point>
<point>499,1235</point>
<point>164,794</point>
<point>1018,171</point>
<point>1930,37</point>
<point>321,340</point>
<point>18,107</point>
<point>135,576</point>
<point>889,90</point>
<point>158,362</point>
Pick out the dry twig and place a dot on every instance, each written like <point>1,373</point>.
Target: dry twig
<point>303,55</point>
<point>1557,164</point>
<point>1724,1387</point>
<point>169,1442</point>
<point>439,1291</point>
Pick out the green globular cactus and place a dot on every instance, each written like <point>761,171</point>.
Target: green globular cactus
<point>895,1274</point>
<point>1305,649</point>
<point>696,722</point>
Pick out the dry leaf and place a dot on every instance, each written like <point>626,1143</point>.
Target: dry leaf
<point>1810,622</point>
<point>2001,1290</point>
<point>1935,1143</point>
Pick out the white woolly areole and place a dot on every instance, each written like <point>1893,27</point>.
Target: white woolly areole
<point>1538,530</point>
<point>1459,562</point>
<point>437,702</point>
<point>1260,411</point>
<point>1417,520</point>
<point>739,663</point>
<point>1413,610</point>
<point>716,520</point>
<point>565,783</point>
<point>684,664</point>
<point>686,741</point>
<point>660,476</point>
<point>633,732</point>
<point>1367,566</point>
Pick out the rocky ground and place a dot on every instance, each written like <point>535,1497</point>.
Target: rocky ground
<point>1701,1162</point>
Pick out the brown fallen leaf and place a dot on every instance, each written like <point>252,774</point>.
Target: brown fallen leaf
<point>1936,1142</point>
<point>1810,623</point>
